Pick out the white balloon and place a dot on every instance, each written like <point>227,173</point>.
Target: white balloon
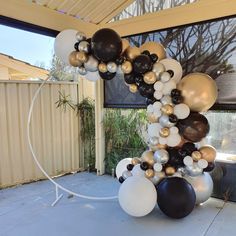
<point>188,161</point>
<point>174,130</point>
<point>158,86</point>
<point>164,77</point>
<point>121,166</point>
<point>153,129</point>
<point>171,64</point>
<point>150,108</point>
<point>164,121</point>
<point>157,167</point>
<point>173,140</point>
<point>157,106</point>
<point>64,44</point>
<point>202,185</point>
<point>168,87</point>
<point>181,110</point>
<point>137,171</point>
<point>137,196</point>
<point>158,95</point>
<point>166,100</point>
<point>202,163</point>
<point>92,76</point>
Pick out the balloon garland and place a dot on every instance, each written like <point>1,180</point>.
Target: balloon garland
<point>173,171</point>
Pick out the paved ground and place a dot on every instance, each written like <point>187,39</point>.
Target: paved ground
<point>26,211</point>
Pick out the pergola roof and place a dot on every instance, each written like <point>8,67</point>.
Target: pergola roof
<point>90,15</point>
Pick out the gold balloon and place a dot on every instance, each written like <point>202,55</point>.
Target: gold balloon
<point>152,118</point>
<point>164,132</point>
<point>82,56</point>
<point>133,88</point>
<point>161,174</point>
<point>73,59</point>
<point>167,109</point>
<point>196,155</point>
<point>156,48</point>
<point>132,52</point>
<point>147,155</point>
<point>149,173</point>
<point>170,170</point>
<point>161,146</point>
<point>150,77</point>
<point>126,67</point>
<point>199,91</point>
<point>208,153</point>
<point>125,44</point>
<point>135,161</point>
<point>102,67</point>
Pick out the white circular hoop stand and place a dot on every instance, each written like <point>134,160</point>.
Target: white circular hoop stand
<point>57,186</point>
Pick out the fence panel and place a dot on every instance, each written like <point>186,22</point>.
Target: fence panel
<point>54,132</point>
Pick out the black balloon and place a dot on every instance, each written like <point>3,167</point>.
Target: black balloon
<point>107,75</point>
<point>189,148</point>
<point>177,99</point>
<point>176,197</point>
<point>175,158</point>
<point>121,179</point>
<point>144,165</point>
<point>146,90</point>
<point>106,45</point>
<point>173,118</point>
<point>154,57</point>
<point>142,64</point>
<point>130,167</point>
<point>175,92</point>
<point>194,127</point>
<point>129,78</point>
<point>138,79</point>
<point>150,100</point>
<point>210,167</point>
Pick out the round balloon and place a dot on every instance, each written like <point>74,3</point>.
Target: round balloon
<point>137,196</point>
<point>199,91</point>
<point>202,185</point>
<point>107,75</point>
<point>64,44</point>
<point>142,64</point>
<point>92,76</point>
<point>122,166</point>
<point>194,128</point>
<point>154,48</point>
<point>176,197</point>
<point>106,45</point>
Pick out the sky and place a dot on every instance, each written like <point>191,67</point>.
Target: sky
<point>26,46</point>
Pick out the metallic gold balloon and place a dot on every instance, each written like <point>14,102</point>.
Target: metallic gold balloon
<point>170,170</point>
<point>133,88</point>
<point>73,59</point>
<point>102,67</point>
<point>161,146</point>
<point>125,44</point>
<point>149,173</point>
<point>152,118</point>
<point>126,67</point>
<point>154,47</point>
<point>196,155</point>
<point>132,52</point>
<point>167,109</point>
<point>135,161</point>
<point>164,132</point>
<point>82,56</point>
<point>199,91</point>
<point>147,155</point>
<point>150,77</point>
<point>208,153</point>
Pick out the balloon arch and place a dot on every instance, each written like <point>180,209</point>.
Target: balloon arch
<point>173,171</point>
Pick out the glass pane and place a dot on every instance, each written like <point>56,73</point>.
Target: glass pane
<point>141,7</point>
<point>208,47</point>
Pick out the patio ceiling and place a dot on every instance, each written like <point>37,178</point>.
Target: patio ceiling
<point>89,16</point>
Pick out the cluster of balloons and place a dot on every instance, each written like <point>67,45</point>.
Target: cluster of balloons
<point>173,171</point>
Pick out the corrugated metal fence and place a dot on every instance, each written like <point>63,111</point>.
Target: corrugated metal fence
<point>54,133</point>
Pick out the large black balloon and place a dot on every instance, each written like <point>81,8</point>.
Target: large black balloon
<point>176,197</point>
<point>142,64</point>
<point>106,45</point>
<point>107,75</point>
<point>194,127</point>
<point>146,90</point>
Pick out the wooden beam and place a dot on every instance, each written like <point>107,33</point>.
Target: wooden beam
<point>25,10</point>
<point>190,13</point>
<point>116,11</point>
<point>99,128</point>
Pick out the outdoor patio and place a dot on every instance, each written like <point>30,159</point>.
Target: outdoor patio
<point>26,210</point>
